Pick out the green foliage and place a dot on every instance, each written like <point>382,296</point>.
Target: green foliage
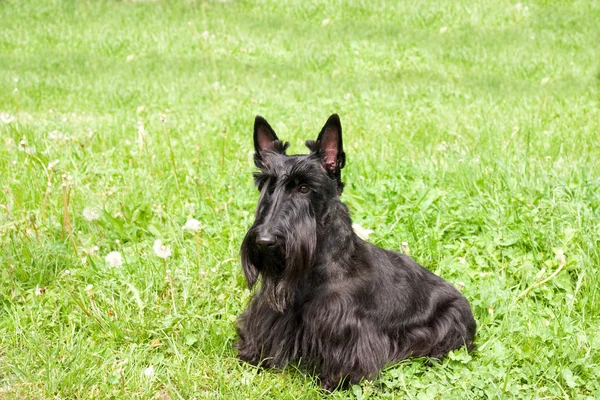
<point>471,130</point>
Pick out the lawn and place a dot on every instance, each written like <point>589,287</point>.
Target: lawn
<point>472,131</point>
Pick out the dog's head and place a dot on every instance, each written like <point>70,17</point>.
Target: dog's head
<point>294,193</point>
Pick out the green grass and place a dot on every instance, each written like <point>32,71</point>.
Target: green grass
<point>471,130</point>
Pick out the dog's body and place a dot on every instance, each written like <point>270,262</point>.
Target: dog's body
<point>329,300</point>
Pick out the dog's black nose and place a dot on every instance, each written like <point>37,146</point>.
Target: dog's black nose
<point>265,241</point>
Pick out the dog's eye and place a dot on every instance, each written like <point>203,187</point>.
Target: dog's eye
<point>304,189</point>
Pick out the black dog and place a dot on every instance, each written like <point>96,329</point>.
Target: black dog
<point>330,301</point>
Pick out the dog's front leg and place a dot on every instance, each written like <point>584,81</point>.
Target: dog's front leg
<point>352,353</point>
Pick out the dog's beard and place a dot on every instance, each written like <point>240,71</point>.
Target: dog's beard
<point>284,267</point>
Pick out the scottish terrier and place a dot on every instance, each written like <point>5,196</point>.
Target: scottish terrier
<point>329,301</point>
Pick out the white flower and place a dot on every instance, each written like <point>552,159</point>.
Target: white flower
<point>55,135</point>
<point>161,250</point>
<point>53,164</point>
<point>362,233</point>
<point>149,372</point>
<point>6,118</point>
<point>114,259</point>
<point>89,288</point>
<point>192,225</point>
<point>405,248</point>
<point>92,213</point>
<point>23,144</point>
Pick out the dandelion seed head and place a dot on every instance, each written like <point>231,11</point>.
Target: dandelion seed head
<point>114,259</point>
<point>192,225</point>
<point>6,118</point>
<point>149,372</point>
<point>92,213</point>
<point>56,135</point>
<point>161,250</point>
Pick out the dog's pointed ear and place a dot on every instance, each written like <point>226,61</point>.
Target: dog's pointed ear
<point>264,135</point>
<point>329,148</point>
<point>265,140</point>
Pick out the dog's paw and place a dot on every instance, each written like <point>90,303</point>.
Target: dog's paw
<point>330,384</point>
<point>249,358</point>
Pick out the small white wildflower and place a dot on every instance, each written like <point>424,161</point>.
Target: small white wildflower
<point>23,144</point>
<point>92,213</point>
<point>192,225</point>
<point>130,58</point>
<point>362,233</point>
<point>114,259</point>
<point>89,288</point>
<point>325,22</point>
<point>6,118</point>
<point>53,164</point>
<point>55,135</point>
<point>161,250</point>
<point>405,248</point>
<point>91,250</point>
<point>163,118</point>
<point>443,30</point>
<point>545,80</point>
<point>149,372</point>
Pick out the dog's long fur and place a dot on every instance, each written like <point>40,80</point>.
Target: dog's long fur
<point>330,301</point>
